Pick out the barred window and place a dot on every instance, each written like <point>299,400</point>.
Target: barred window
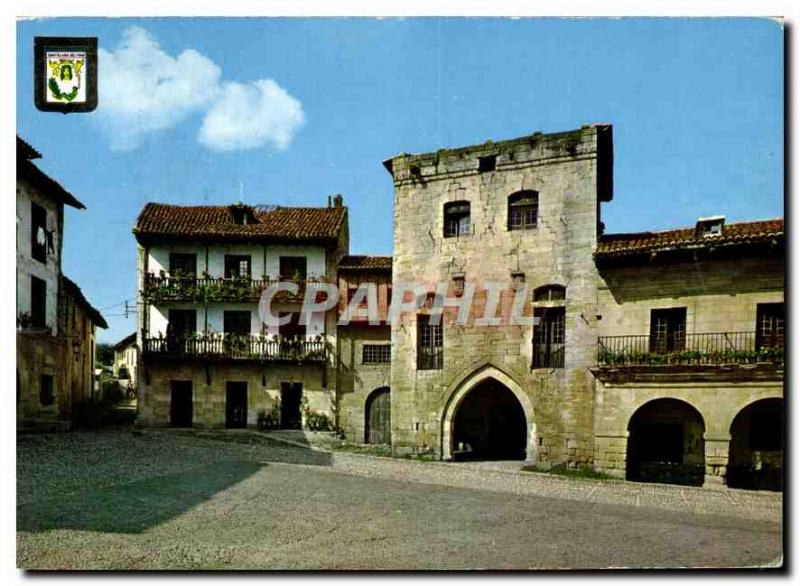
<point>456,219</point>
<point>430,354</point>
<point>523,210</point>
<point>548,337</point>
<point>376,354</point>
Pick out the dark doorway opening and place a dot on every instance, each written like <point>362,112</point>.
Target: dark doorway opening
<point>180,404</point>
<point>291,397</point>
<point>666,444</point>
<point>755,455</point>
<point>377,427</point>
<point>236,405</point>
<point>489,424</point>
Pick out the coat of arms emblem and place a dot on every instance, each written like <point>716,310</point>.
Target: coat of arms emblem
<point>66,74</point>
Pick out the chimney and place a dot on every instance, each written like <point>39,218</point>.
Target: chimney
<point>329,201</point>
<point>338,200</point>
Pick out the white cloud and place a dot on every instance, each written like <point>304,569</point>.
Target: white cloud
<point>143,90</point>
<point>246,116</point>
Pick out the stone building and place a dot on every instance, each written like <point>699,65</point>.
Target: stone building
<point>522,212</point>
<point>508,325</point>
<point>48,382</point>
<point>364,351</point>
<point>690,354</point>
<point>652,356</point>
<point>78,323</point>
<point>207,359</point>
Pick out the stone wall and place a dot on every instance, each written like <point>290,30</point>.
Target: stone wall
<point>720,296</point>
<point>263,389</point>
<point>356,379</point>
<point>568,171</point>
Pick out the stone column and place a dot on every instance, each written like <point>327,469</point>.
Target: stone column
<point>716,447</point>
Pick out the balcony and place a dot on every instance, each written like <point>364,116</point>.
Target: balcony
<point>237,347</point>
<point>690,350</point>
<point>159,289</point>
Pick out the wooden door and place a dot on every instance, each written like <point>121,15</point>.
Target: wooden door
<point>236,405</point>
<point>180,405</point>
<point>378,425</point>
<point>291,396</point>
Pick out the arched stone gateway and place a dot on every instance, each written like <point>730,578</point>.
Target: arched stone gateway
<point>488,417</point>
<point>665,443</point>
<point>755,458</point>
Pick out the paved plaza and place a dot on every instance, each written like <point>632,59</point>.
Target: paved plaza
<point>185,500</point>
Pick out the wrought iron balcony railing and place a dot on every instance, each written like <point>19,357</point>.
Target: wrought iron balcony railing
<point>162,288</point>
<point>688,349</point>
<point>236,347</point>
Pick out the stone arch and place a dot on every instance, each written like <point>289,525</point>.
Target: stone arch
<point>666,443</point>
<point>755,454</point>
<point>462,387</point>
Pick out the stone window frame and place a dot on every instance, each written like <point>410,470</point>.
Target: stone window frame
<point>550,293</point>
<point>457,216</point>
<point>549,329</point>
<point>523,210</point>
<point>430,343</point>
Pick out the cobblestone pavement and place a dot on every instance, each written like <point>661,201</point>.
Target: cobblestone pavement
<point>177,500</point>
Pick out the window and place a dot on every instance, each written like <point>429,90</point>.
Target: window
<point>523,210</point>
<point>38,233</point>
<point>458,285</point>
<point>236,322</point>
<point>548,337</point>
<point>293,328</point>
<point>456,219</point>
<point>376,354</point>
<point>46,393</point>
<point>182,263</point>
<point>181,322</point>
<point>237,266</point>
<point>770,325</point>
<point>430,355</point>
<point>550,293</point>
<point>293,267</point>
<point>517,281</point>
<point>486,164</point>
<point>667,330</point>
<point>38,302</point>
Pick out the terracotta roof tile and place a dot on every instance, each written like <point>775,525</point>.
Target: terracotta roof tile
<point>616,245</point>
<point>365,263</point>
<point>205,222</point>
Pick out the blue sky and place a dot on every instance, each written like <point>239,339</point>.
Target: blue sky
<point>290,111</point>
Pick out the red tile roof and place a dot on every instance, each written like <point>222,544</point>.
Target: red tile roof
<point>216,222</point>
<point>366,263</point>
<point>617,245</point>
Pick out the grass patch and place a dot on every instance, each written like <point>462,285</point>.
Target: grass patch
<point>366,449</point>
<point>583,473</point>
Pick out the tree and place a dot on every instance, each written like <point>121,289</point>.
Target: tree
<point>105,354</point>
